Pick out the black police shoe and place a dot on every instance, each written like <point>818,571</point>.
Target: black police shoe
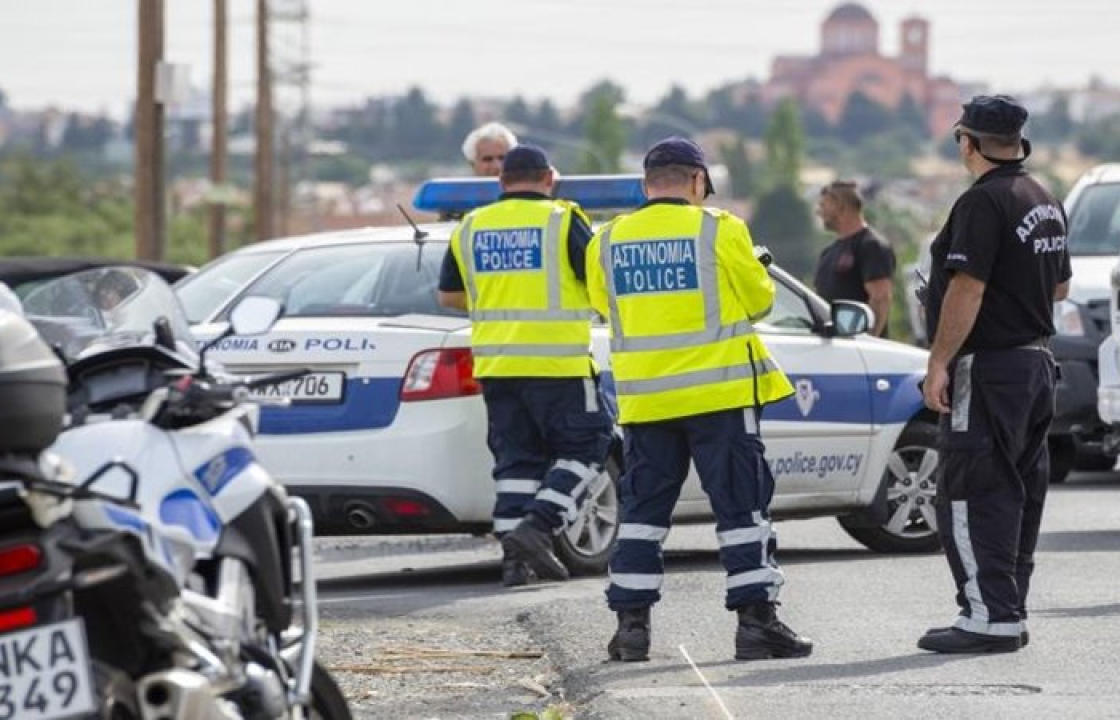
<point>962,642</point>
<point>762,636</point>
<point>515,573</point>
<point>533,546</point>
<point>631,641</point>
<point>1024,637</point>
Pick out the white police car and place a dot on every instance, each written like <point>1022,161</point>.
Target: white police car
<point>388,435</point>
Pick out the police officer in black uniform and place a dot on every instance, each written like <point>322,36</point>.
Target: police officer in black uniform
<point>999,264</point>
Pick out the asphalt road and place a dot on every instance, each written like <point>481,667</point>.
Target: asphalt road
<point>864,611</point>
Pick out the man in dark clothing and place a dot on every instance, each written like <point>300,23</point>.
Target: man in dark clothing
<point>999,263</point>
<point>859,265</point>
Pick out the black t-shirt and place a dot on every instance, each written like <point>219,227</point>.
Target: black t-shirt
<point>1010,232</point>
<point>845,265</point>
<point>579,237</point>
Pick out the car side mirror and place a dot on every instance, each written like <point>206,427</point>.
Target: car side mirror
<point>851,318</point>
<point>254,315</point>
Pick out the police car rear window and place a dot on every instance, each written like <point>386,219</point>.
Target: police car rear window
<point>364,280</point>
<point>1094,223</point>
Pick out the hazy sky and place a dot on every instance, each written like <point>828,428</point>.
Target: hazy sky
<point>81,53</point>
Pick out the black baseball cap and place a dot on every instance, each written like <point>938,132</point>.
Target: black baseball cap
<point>993,115</point>
<point>679,151</point>
<point>525,157</point>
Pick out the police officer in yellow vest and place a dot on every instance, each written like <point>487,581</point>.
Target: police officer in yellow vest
<point>518,266</point>
<point>680,286</point>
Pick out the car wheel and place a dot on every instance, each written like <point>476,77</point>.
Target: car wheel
<point>585,547</point>
<point>910,481</point>
<point>1063,452</point>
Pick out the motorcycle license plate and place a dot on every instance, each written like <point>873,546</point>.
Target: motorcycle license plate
<point>320,387</point>
<point>44,673</point>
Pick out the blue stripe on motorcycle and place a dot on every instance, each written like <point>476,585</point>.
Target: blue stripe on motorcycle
<point>187,510</point>
<point>216,474</point>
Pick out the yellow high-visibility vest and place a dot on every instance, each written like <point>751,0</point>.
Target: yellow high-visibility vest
<point>680,286</point>
<point>530,315</point>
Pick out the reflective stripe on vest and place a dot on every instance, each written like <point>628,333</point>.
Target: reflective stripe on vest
<point>529,350</point>
<point>709,287</point>
<point>692,378</point>
<point>555,311</point>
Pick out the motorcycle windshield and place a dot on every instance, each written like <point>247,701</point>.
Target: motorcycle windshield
<point>106,308</point>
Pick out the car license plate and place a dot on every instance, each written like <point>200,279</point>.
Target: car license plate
<point>321,387</point>
<point>44,673</point>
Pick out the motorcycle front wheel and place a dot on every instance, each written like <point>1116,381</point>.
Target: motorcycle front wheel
<point>327,700</point>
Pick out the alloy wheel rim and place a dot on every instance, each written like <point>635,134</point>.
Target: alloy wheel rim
<point>597,523</point>
<point>911,488</point>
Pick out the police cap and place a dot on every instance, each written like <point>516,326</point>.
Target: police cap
<point>993,115</point>
<point>679,151</point>
<point>525,157</point>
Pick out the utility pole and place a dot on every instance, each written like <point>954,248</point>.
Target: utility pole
<point>291,71</point>
<point>218,147</point>
<point>148,129</point>
<point>264,181</point>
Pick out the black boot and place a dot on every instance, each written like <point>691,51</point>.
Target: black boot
<point>761,635</point>
<point>515,573</point>
<point>962,642</point>
<point>631,641</point>
<point>533,546</point>
<point>1024,637</point>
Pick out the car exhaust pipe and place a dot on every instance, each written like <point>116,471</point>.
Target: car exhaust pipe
<point>361,516</point>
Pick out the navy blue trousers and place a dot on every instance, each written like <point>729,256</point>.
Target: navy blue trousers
<point>549,438</point>
<point>730,461</point>
<point>995,470</point>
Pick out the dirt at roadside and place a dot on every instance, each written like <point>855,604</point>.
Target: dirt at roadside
<point>436,667</point>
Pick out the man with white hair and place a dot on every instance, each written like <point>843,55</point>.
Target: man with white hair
<point>485,148</point>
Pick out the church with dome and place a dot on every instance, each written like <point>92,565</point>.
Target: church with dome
<point>850,60</point>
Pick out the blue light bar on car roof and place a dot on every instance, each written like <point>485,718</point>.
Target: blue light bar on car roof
<point>591,192</point>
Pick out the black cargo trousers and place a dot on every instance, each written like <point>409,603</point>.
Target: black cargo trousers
<point>995,469</point>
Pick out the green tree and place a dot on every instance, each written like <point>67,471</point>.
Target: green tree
<point>415,132</point>
<point>605,133</point>
<point>672,115</point>
<point>517,112</point>
<point>1056,124</point>
<point>740,169</point>
<point>785,146</point>
<point>459,125</point>
<point>547,119</point>
<point>862,117</point>
<point>49,207</point>
<point>911,115</point>
<point>783,222</point>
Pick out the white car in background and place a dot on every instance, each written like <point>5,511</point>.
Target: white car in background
<point>388,435</point>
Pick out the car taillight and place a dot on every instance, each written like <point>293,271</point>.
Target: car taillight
<point>435,374</point>
<point>19,558</point>
<point>17,618</point>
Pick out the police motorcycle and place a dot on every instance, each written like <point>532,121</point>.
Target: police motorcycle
<point>150,572</point>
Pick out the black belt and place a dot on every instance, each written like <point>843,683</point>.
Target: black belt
<point>1040,343</point>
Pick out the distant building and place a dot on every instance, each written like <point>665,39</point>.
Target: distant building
<point>849,61</point>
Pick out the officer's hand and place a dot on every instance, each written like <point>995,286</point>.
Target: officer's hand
<point>935,388</point>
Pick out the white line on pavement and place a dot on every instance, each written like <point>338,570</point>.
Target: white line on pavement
<point>704,680</point>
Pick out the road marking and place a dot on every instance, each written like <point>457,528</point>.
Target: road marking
<point>712,690</point>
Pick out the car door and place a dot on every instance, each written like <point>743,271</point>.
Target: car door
<point>818,440</point>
